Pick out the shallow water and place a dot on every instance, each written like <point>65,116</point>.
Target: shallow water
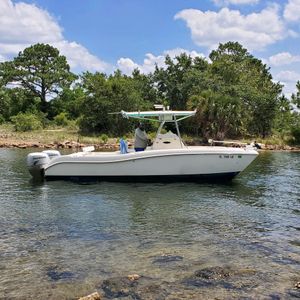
<point>60,240</point>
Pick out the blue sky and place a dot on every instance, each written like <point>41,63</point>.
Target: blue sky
<point>102,35</point>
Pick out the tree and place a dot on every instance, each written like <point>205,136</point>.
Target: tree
<point>284,119</point>
<point>236,95</point>
<point>16,100</point>
<point>217,115</point>
<point>4,105</point>
<point>176,81</point>
<point>145,85</point>
<point>296,97</point>
<point>248,82</point>
<point>69,101</point>
<point>108,94</point>
<point>40,70</point>
<point>295,123</point>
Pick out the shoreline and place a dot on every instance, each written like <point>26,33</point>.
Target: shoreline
<point>57,145</point>
<point>65,138</point>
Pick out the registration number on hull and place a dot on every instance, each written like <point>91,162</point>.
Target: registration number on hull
<point>229,156</point>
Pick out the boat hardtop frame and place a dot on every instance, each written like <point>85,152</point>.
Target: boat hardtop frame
<point>165,115</point>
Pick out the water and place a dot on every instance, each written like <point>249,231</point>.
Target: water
<point>63,240</point>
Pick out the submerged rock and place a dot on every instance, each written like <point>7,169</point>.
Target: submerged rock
<point>119,287</point>
<point>93,296</point>
<point>295,293</point>
<point>125,288</point>
<point>214,273</point>
<point>221,277</point>
<point>55,274</point>
<point>133,277</point>
<point>275,297</point>
<point>165,259</point>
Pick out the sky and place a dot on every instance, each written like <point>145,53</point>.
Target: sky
<point>105,35</point>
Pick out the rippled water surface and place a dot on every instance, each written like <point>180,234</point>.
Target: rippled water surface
<point>63,240</point>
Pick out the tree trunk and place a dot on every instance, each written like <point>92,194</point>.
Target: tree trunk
<point>44,105</point>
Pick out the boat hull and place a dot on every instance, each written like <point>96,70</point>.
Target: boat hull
<point>193,163</point>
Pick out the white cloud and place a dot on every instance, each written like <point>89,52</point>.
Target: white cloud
<point>22,25</point>
<point>288,79</point>
<point>26,23</point>
<point>127,65</point>
<point>2,58</point>
<point>283,58</point>
<point>234,2</point>
<point>288,76</point>
<point>177,51</point>
<point>292,10</point>
<point>255,31</point>
<point>79,57</point>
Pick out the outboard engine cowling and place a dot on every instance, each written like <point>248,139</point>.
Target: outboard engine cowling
<point>52,153</point>
<point>36,162</point>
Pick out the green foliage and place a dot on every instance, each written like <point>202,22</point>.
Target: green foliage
<point>105,95</point>
<point>145,85</point>
<point>15,100</point>
<point>175,83</point>
<point>104,138</point>
<point>295,129</point>
<point>26,122</point>
<point>61,119</point>
<point>296,97</point>
<point>69,101</point>
<point>284,118</point>
<point>4,104</point>
<point>40,70</point>
<point>72,125</point>
<point>217,115</point>
<point>247,81</point>
<point>295,135</point>
<point>234,95</point>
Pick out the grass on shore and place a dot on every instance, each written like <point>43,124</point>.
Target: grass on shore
<point>48,136</point>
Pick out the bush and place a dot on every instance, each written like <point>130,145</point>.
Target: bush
<point>104,138</point>
<point>295,132</point>
<point>26,122</point>
<point>61,119</point>
<point>72,125</point>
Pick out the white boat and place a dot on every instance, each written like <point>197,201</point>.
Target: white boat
<point>167,159</point>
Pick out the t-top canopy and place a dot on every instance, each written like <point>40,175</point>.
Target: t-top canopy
<point>162,115</point>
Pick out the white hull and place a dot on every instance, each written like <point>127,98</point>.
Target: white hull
<point>185,162</point>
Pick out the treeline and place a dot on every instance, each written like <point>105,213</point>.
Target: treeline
<point>233,92</point>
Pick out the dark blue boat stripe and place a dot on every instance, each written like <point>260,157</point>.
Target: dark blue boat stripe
<point>156,178</point>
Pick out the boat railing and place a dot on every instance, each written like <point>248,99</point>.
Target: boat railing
<point>236,143</point>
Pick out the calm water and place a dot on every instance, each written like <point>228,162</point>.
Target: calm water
<point>60,240</point>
